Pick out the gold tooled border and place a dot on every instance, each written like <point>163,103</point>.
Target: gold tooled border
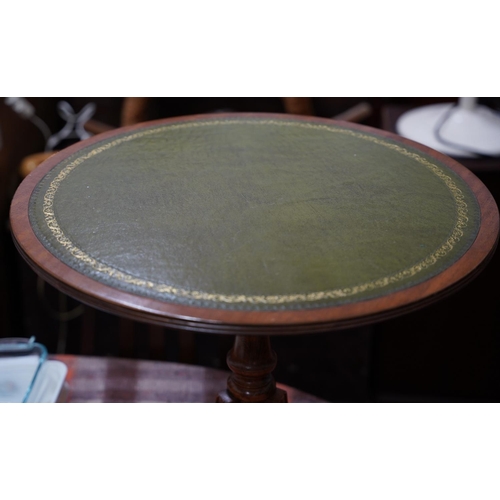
<point>444,249</point>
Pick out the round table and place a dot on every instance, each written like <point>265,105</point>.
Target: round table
<point>254,225</point>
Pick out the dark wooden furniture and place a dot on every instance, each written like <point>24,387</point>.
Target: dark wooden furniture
<point>116,380</point>
<point>254,225</point>
<point>135,109</point>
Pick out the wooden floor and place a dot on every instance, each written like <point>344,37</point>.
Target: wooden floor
<point>113,380</point>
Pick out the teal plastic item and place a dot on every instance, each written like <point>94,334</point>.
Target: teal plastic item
<point>20,363</point>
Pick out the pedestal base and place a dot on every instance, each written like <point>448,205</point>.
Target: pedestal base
<point>279,396</point>
<point>251,360</point>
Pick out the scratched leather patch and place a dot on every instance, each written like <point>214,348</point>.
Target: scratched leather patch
<point>254,214</point>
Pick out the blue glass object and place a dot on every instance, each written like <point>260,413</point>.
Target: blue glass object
<point>20,362</point>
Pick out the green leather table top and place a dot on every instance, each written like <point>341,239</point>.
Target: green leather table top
<point>254,213</point>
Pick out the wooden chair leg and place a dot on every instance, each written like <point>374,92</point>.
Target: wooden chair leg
<point>126,338</point>
<point>187,347</point>
<point>87,344</point>
<point>157,344</point>
<point>134,110</point>
<point>298,105</point>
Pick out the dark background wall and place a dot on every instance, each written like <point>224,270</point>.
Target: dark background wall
<point>446,352</point>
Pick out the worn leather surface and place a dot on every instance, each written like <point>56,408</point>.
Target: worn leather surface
<point>254,213</point>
